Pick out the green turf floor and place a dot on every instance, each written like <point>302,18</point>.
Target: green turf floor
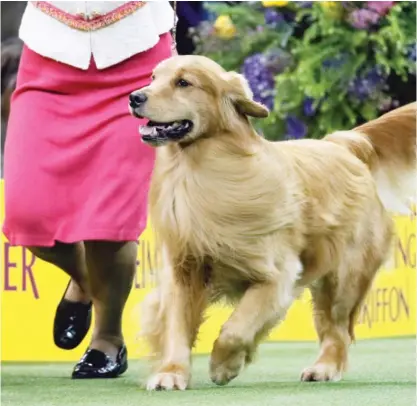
<point>382,373</point>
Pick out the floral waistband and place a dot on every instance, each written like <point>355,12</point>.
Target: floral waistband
<point>92,22</point>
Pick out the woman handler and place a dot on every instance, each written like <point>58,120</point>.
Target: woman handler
<point>76,173</point>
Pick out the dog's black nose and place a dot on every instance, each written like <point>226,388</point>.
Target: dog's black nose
<point>136,99</point>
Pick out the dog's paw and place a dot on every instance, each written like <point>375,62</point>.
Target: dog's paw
<point>222,373</point>
<point>167,381</point>
<point>227,360</point>
<point>321,372</point>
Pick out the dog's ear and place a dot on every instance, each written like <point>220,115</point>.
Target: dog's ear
<point>240,94</point>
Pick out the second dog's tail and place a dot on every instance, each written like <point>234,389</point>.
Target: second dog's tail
<point>388,146</point>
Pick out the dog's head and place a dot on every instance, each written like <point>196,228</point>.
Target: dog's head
<point>190,97</point>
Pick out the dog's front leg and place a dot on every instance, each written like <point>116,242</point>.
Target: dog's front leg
<point>183,301</point>
<point>260,309</point>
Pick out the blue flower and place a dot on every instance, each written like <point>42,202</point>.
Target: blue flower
<point>260,79</point>
<point>367,84</point>
<point>273,18</point>
<point>308,107</point>
<point>295,128</point>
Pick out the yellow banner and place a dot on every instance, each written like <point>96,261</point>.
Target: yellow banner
<point>31,290</point>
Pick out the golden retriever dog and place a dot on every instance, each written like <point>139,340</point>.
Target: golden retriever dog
<point>255,222</point>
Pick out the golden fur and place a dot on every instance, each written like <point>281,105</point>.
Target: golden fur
<point>255,222</point>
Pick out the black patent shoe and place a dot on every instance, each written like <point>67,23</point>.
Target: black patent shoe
<point>97,364</point>
<point>71,324</point>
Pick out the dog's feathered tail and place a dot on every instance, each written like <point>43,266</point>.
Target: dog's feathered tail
<point>388,146</point>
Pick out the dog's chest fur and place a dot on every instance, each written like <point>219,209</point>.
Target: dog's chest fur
<point>224,216</point>
<point>218,207</point>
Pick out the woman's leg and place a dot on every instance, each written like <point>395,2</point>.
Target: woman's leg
<point>73,315</point>
<point>111,269</point>
<point>71,259</point>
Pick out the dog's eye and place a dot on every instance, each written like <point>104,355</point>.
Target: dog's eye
<point>182,83</point>
<point>153,77</point>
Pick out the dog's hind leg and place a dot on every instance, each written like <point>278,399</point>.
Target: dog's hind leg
<point>262,306</point>
<point>178,309</point>
<point>337,302</point>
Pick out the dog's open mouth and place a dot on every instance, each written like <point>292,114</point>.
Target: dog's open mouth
<point>159,133</point>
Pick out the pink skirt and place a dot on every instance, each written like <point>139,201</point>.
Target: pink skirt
<point>75,167</point>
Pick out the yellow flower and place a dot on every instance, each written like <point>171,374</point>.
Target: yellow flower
<point>332,9</point>
<point>275,3</point>
<point>224,27</point>
<point>327,4</point>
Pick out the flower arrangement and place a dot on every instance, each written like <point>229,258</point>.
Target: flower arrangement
<point>318,66</point>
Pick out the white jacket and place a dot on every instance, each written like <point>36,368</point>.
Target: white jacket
<point>54,37</point>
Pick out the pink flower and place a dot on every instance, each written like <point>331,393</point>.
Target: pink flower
<point>381,7</point>
<point>363,18</point>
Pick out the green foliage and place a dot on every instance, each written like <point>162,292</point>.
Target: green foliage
<point>334,62</point>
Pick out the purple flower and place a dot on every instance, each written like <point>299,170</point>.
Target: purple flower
<point>268,102</point>
<point>273,18</point>
<point>367,84</point>
<point>295,128</point>
<point>308,107</point>
<point>363,18</point>
<point>381,7</point>
<point>260,79</point>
